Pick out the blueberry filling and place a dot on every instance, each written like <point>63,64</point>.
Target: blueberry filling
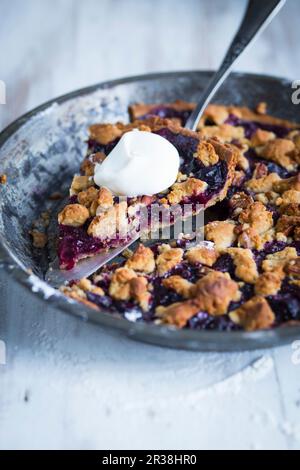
<point>74,243</point>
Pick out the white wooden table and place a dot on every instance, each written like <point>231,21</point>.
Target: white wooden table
<point>72,385</point>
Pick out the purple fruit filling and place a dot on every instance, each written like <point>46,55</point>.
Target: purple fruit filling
<point>74,244</point>
<point>204,321</point>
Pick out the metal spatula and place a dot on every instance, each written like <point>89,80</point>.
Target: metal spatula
<point>258,15</point>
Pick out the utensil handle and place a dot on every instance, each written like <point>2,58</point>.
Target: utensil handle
<point>258,15</point>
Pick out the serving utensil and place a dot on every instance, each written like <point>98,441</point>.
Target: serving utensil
<point>257,17</point>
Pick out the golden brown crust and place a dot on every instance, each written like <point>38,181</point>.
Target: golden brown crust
<point>261,137</point>
<point>177,314</point>
<point>277,261</point>
<point>139,110</point>
<point>80,183</point>
<point>105,198</point>
<point>206,154</point>
<point>257,217</point>
<point>283,185</point>
<point>245,266</point>
<point>74,215</point>
<point>264,184</point>
<point>85,198</point>
<point>142,260</point>
<point>139,291</point>
<point>188,188</point>
<point>126,285</point>
<point>119,288</point>
<point>105,133</point>
<point>268,283</point>
<point>292,268</point>
<point>279,151</point>
<point>214,292</point>
<point>179,285</point>
<point>202,255</point>
<point>222,233</point>
<point>224,132</point>
<point>168,259</point>
<point>110,222</point>
<point>256,314</point>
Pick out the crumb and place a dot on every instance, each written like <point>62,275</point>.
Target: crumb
<point>3,179</point>
<point>40,239</point>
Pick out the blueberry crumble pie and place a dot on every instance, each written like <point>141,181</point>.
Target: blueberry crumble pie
<point>87,224</point>
<point>245,275</point>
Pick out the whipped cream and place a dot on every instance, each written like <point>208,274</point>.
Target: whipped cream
<point>141,163</point>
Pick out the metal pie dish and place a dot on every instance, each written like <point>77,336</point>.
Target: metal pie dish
<point>41,151</point>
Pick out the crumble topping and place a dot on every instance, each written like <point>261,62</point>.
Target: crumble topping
<point>278,261</point>
<point>87,286</point>
<point>168,259</point>
<point>190,187</point>
<point>216,113</point>
<point>256,314</point>
<point>202,255</point>
<point>110,222</point>
<point>73,215</point>
<point>261,137</point>
<point>245,266</point>
<point>206,154</point>
<point>240,201</point>
<point>283,185</point>
<point>105,198</point>
<point>126,285</point>
<point>292,268</point>
<point>279,151</point>
<point>214,292</point>
<point>224,132</point>
<point>177,314</point>
<point>264,184</point>
<point>289,197</point>
<point>221,233</point>
<point>142,260</point>
<point>80,183</point>
<point>268,283</point>
<point>257,217</point>
<point>105,133</point>
<point>85,198</point>
<point>179,285</point>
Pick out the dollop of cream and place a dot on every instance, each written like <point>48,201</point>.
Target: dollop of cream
<point>141,164</point>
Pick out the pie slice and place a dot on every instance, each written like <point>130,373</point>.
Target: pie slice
<point>94,219</point>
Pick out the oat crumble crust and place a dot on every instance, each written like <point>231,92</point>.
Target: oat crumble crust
<point>248,277</point>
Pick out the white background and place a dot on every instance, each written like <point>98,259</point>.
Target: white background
<point>72,385</point>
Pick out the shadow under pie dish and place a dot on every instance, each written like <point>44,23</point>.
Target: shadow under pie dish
<point>246,273</point>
